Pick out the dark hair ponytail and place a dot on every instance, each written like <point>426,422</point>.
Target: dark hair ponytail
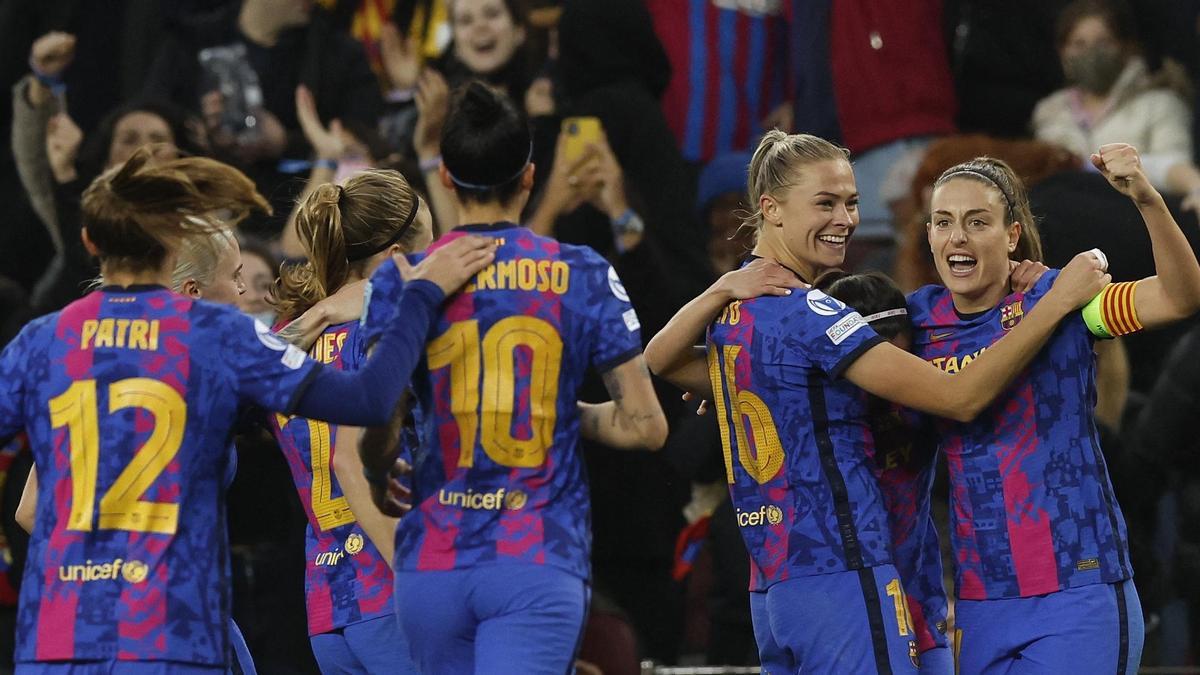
<point>869,293</point>
<point>137,211</point>
<point>486,144</point>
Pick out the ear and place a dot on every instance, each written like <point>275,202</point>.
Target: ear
<point>190,288</point>
<point>1014,235</point>
<point>527,178</point>
<point>87,243</point>
<point>929,234</point>
<point>444,176</point>
<point>771,211</point>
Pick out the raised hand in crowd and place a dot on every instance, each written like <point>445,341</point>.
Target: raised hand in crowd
<point>539,98</point>
<point>328,143</point>
<point>48,58</point>
<point>572,182</point>
<point>268,141</point>
<point>63,138</point>
<point>401,58</point>
<point>433,104</point>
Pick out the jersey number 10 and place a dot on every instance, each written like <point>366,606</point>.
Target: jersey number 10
<point>488,410</point>
<point>762,456</point>
<point>121,508</point>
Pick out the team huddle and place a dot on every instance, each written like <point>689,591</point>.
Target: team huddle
<point>424,394</point>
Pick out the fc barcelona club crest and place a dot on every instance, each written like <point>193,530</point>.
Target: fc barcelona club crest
<point>1011,315</point>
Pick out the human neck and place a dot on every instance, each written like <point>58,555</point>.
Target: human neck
<point>255,23</point>
<point>774,250</point>
<point>491,212</point>
<point>127,278</point>
<point>982,301</point>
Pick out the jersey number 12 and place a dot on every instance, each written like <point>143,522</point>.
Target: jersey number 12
<point>121,507</point>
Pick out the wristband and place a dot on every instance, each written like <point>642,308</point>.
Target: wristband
<point>56,84</point>
<point>330,164</point>
<point>1112,313</point>
<point>628,223</point>
<point>431,164</point>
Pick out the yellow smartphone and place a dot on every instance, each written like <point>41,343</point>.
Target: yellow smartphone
<point>580,132</point>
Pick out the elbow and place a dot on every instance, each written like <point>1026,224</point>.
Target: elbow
<point>654,359</point>
<point>965,412</point>
<point>655,434</point>
<point>24,518</point>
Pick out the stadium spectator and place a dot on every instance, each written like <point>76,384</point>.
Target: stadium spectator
<point>239,66</point>
<point>1112,97</point>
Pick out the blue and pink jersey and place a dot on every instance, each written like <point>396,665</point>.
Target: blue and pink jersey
<point>497,476</point>
<point>128,396</point>
<point>905,457</point>
<point>799,449</point>
<point>1032,508</point>
<point>346,579</point>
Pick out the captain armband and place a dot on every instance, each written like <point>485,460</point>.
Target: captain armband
<point>1112,313</point>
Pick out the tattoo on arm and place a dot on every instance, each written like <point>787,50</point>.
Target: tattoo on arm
<point>292,333</point>
<point>613,384</point>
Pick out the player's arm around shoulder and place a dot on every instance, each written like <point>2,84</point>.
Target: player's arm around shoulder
<point>672,353</point>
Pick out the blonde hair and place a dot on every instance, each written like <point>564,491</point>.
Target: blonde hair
<point>137,211</point>
<point>198,258</point>
<point>341,228</point>
<point>776,165</point>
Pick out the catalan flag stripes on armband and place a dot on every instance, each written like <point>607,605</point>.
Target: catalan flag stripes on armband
<point>1112,313</point>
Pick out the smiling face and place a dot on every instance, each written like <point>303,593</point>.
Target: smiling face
<point>485,34</point>
<point>971,239</point>
<point>258,276</point>
<point>809,225</point>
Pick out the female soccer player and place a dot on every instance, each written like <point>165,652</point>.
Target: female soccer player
<point>128,396</point>
<point>785,372</point>
<point>346,233</point>
<point>1043,574</point>
<point>492,561</point>
<point>209,266</point>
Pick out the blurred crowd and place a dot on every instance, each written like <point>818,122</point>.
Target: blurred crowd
<point>643,112</point>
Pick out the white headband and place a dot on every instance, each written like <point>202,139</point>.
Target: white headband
<point>885,314</point>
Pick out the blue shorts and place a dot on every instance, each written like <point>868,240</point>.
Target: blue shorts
<point>372,646</point>
<point>1089,629</point>
<point>937,661</point>
<point>493,618</point>
<point>115,667</point>
<point>845,622</point>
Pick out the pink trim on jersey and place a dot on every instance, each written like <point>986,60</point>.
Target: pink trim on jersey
<point>967,557</point>
<point>320,608</point>
<point>1029,534</point>
<point>437,550</point>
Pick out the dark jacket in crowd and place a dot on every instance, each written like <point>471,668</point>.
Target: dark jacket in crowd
<point>1077,211</point>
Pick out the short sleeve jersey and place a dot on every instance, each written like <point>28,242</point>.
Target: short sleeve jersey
<point>346,579</point>
<point>1032,507</point>
<point>905,457</point>
<point>128,396</point>
<point>799,452</point>
<point>498,477</point>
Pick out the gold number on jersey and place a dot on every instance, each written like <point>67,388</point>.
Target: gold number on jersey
<point>122,507</point>
<point>764,459</point>
<point>493,402</point>
<point>329,511</point>
<point>903,618</point>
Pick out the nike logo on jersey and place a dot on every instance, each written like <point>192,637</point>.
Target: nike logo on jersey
<point>938,337</point>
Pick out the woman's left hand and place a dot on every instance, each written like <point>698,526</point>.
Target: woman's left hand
<point>1121,166</point>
